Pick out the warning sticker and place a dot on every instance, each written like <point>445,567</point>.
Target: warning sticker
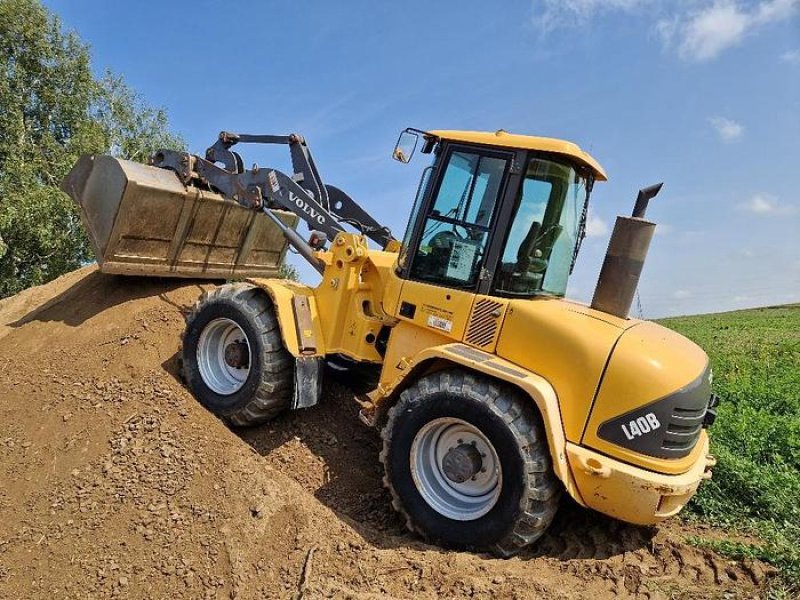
<point>440,323</point>
<point>273,181</point>
<point>462,257</point>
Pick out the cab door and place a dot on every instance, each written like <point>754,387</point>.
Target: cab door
<point>444,262</point>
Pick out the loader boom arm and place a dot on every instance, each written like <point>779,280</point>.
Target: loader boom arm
<point>323,207</point>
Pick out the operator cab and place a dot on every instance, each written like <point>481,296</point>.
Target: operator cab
<point>496,213</point>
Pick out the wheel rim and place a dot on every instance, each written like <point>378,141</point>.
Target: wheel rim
<point>223,356</point>
<point>447,442</point>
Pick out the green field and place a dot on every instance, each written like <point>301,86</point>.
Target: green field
<point>756,484</point>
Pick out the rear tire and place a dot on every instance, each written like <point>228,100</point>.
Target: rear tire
<point>234,359</point>
<point>507,496</point>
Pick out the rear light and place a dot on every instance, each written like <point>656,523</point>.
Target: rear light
<point>711,411</point>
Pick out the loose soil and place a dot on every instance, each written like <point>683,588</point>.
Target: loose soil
<point>116,483</point>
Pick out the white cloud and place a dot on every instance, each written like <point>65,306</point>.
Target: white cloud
<point>704,34</point>
<point>596,227</point>
<point>727,129</point>
<point>765,204</point>
<point>552,14</point>
<point>698,30</point>
<point>682,294</point>
<point>791,56</point>
<point>760,204</point>
<point>774,10</point>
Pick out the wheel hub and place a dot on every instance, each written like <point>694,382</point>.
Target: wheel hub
<point>237,355</point>
<point>456,468</point>
<point>461,463</point>
<point>223,356</point>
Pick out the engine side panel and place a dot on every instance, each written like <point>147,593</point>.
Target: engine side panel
<point>567,344</point>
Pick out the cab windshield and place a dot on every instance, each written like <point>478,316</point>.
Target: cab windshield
<point>544,232</point>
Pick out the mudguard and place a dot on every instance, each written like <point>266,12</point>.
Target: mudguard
<point>298,319</point>
<point>539,390</point>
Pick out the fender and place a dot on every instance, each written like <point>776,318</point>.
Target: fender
<point>298,320</point>
<point>536,387</point>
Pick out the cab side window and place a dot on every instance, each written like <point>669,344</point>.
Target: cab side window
<point>456,230</point>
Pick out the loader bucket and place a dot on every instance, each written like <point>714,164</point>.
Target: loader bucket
<point>142,220</point>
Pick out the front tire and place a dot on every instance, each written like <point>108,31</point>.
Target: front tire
<point>234,359</point>
<point>467,463</point>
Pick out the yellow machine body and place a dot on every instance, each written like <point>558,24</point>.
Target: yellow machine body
<point>579,366</point>
<point>600,382</point>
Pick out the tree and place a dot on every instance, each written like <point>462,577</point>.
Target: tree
<point>52,110</point>
<point>288,271</point>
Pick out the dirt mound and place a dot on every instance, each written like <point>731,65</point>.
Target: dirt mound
<point>116,483</point>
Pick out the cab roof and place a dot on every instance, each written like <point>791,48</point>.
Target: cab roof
<point>526,142</point>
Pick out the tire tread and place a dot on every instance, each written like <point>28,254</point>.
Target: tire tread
<point>274,392</point>
<point>540,499</point>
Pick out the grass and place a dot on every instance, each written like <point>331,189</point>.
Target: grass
<point>756,484</point>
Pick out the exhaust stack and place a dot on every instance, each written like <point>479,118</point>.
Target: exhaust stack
<point>627,251</point>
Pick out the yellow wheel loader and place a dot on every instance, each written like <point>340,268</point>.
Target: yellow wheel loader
<point>494,394</point>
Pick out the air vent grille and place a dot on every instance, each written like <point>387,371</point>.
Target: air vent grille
<point>683,430</point>
<point>482,328</point>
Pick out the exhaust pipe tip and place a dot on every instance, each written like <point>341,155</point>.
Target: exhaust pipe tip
<point>625,257</point>
<point>643,199</point>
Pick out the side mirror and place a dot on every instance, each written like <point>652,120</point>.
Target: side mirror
<point>406,145</point>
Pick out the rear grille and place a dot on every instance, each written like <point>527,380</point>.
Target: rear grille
<point>683,428</point>
<point>482,328</point>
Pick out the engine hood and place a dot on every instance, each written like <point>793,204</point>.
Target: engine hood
<point>568,344</point>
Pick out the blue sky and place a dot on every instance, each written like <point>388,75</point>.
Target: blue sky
<point>701,94</point>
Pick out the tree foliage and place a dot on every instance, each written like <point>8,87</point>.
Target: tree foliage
<point>288,271</point>
<point>52,110</point>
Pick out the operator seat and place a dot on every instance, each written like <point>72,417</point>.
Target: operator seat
<point>527,274</point>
